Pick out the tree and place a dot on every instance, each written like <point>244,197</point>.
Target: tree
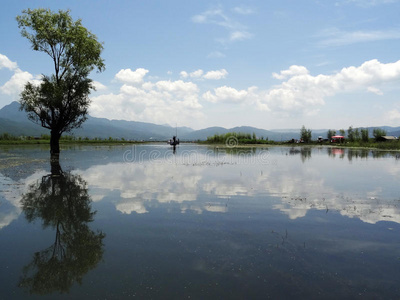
<point>305,134</point>
<point>357,134</point>
<point>331,133</point>
<point>61,101</point>
<point>342,132</point>
<point>364,135</point>
<point>351,134</point>
<point>378,132</point>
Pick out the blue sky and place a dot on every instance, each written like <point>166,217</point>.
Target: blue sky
<point>268,64</point>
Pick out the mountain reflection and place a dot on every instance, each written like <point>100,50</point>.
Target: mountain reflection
<point>61,200</point>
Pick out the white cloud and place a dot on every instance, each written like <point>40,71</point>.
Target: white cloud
<point>5,62</point>
<point>129,76</point>
<point>218,74</point>
<point>301,92</point>
<point>184,74</point>
<point>304,91</point>
<point>211,75</point>
<point>15,85</point>
<point>292,71</point>
<point>161,102</point>
<point>99,86</point>
<point>334,37</point>
<point>240,36</point>
<point>197,74</point>
<point>231,95</point>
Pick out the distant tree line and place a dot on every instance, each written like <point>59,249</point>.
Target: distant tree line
<point>239,137</point>
<point>358,134</point>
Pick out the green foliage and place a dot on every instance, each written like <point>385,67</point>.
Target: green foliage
<point>357,134</point>
<point>7,137</point>
<point>342,132</point>
<point>236,137</point>
<point>331,133</point>
<point>305,134</point>
<point>60,101</point>
<point>378,132</point>
<point>364,135</point>
<point>351,134</point>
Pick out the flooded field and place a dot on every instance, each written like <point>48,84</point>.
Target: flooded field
<point>145,221</point>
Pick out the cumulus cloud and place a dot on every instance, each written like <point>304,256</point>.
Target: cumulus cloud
<point>231,95</point>
<point>129,76</point>
<point>99,86</point>
<point>197,74</point>
<point>211,75</point>
<point>161,102</point>
<point>15,85</point>
<point>302,92</point>
<point>292,71</point>
<point>5,62</point>
<point>184,74</point>
<point>218,74</point>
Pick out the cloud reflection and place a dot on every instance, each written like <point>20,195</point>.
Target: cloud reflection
<point>299,186</point>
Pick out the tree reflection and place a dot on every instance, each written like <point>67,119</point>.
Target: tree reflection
<point>62,201</point>
<point>305,152</point>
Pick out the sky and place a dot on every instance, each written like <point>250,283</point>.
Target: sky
<point>269,64</point>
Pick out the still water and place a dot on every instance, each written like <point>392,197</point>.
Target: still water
<point>144,221</point>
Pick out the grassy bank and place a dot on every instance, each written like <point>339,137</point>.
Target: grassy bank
<point>6,139</point>
<point>237,139</point>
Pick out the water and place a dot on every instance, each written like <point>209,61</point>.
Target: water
<point>203,222</point>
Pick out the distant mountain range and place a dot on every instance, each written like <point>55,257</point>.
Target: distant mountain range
<point>15,122</point>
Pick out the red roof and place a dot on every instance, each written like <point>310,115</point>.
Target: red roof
<point>338,137</point>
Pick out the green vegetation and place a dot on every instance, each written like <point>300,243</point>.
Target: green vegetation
<point>6,138</point>
<point>60,101</point>
<point>357,138</point>
<point>378,133</point>
<point>305,134</point>
<point>235,138</point>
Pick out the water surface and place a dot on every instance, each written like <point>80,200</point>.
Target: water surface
<point>146,221</point>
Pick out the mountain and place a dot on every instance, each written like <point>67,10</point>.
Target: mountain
<point>15,122</point>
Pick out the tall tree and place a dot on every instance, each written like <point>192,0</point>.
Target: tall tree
<point>357,134</point>
<point>61,101</point>
<point>305,134</point>
<point>351,134</point>
<point>378,132</point>
<point>364,135</point>
<point>331,133</point>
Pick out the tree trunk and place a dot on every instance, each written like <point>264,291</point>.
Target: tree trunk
<point>55,144</point>
<point>55,166</point>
